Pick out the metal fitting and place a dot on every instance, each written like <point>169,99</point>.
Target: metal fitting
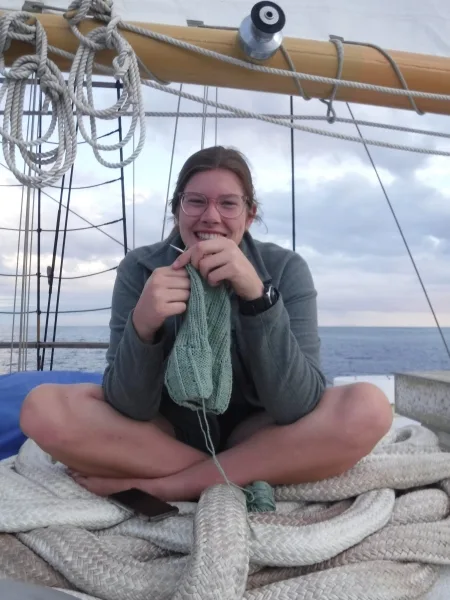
<point>260,33</point>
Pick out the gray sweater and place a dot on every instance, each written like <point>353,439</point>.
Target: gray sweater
<point>275,354</point>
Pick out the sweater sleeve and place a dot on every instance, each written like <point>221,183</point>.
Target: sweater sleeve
<point>282,347</point>
<point>133,378</point>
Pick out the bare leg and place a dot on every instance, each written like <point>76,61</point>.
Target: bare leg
<point>348,422</point>
<point>77,427</point>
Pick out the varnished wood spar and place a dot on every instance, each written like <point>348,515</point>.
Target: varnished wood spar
<point>422,72</point>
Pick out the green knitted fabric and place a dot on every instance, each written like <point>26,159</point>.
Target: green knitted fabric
<point>199,372</point>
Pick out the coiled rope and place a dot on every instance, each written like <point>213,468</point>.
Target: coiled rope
<point>380,531</point>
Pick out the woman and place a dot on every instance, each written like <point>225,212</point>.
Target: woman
<point>282,425</point>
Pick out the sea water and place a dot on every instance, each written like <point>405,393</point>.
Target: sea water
<point>344,350</point>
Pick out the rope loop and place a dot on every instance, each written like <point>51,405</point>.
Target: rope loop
<point>38,67</point>
<point>125,70</point>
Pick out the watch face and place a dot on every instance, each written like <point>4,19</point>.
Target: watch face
<point>268,299</point>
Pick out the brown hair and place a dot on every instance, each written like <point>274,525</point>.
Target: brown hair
<point>216,157</point>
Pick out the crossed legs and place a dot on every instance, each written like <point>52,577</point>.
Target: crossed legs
<point>109,452</point>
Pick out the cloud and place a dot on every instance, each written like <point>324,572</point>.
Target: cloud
<point>344,227</point>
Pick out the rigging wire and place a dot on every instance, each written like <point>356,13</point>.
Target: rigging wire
<point>276,116</point>
<point>216,121</point>
<point>405,242</point>
<point>52,312</point>
<point>19,238</point>
<point>29,274</point>
<point>52,267</point>
<point>92,225</point>
<point>122,178</point>
<point>291,104</point>
<point>27,254</point>
<point>15,229</point>
<point>169,181</point>
<point>65,276</point>
<point>61,262</point>
<point>72,211</point>
<point>58,187</point>
<point>205,111</point>
<point>38,265</point>
<point>134,194</point>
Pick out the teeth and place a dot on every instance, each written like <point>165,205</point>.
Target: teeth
<point>208,236</point>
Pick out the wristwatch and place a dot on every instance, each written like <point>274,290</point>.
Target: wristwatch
<point>259,305</point>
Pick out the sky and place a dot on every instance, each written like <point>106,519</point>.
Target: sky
<point>344,228</point>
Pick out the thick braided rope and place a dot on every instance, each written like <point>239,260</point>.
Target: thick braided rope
<point>368,545</point>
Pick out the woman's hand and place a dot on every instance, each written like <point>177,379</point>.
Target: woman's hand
<point>165,294</point>
<point>220,260</point>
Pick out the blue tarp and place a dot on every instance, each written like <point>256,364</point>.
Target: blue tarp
<point>13,389</point>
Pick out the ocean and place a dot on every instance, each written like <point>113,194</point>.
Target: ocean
<point>345,350</point>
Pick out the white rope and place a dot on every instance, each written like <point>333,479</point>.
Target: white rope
<point>125,69</point>
<point>279,72</point>
<point>340,136</point>
<point>229,115</point>
<point>14,26</point>
<point>252,115</point>
<point>378,532</point>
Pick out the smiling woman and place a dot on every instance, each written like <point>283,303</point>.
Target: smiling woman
<point>251,321</point>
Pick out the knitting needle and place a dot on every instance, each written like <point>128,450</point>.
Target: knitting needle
<point>175,248</point>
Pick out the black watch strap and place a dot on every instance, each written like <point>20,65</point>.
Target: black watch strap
<point>261,304</point>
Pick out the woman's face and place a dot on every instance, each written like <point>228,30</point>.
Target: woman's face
<point>223,190</point>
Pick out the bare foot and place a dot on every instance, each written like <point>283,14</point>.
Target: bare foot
<point>104,486</point>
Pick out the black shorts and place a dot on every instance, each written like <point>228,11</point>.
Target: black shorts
<point>188,429</point>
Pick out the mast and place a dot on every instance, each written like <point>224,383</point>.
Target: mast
<point>424,73</point>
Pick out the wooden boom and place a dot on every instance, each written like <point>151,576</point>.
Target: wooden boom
<point>423,73</point>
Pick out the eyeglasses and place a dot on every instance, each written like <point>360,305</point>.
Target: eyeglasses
<point>230,206</point>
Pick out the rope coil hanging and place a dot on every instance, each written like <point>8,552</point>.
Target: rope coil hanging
<point>125,69</point>
<point>17,27</point>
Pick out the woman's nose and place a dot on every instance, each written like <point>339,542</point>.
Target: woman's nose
<point>211,212</point>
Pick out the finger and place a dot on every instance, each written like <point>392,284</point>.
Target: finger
<point>178,283</point>
<point>214,245</point>
<point>196,252</point>
<point>212,261</point>
<point>170,272</point>
<point>183,259</point>
<point>203,249</point>
<point>218,276</point>
<point>177,296</point>
<point>177,308</point>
